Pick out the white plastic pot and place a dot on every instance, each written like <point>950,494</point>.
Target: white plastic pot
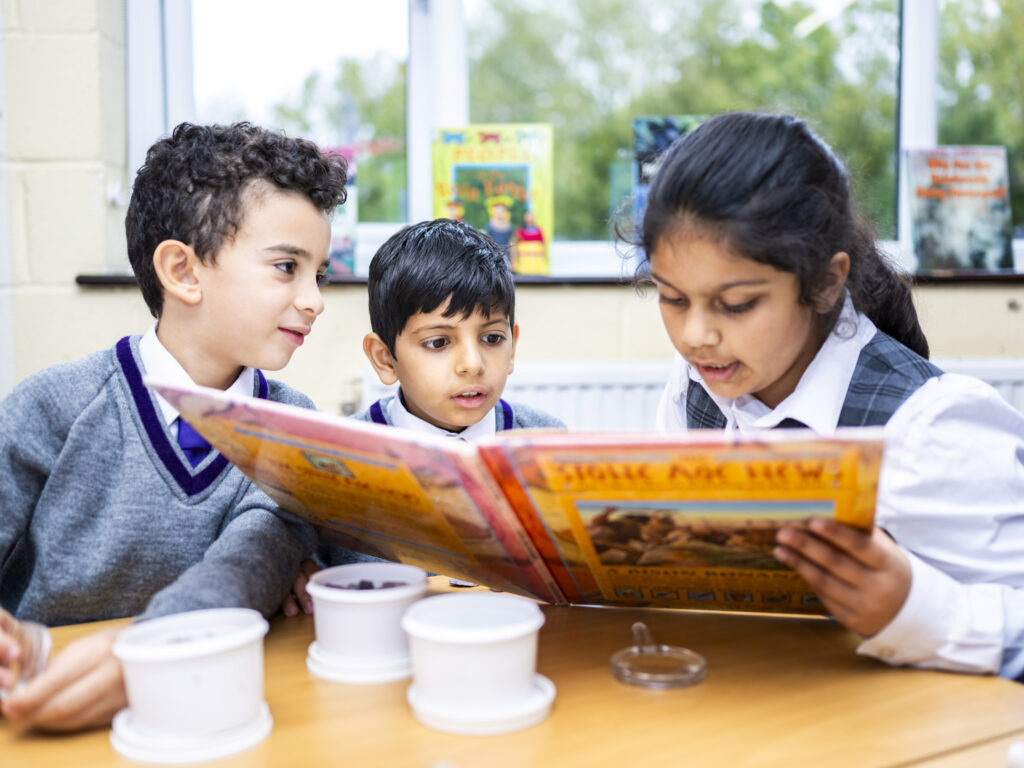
<point>359,636</point>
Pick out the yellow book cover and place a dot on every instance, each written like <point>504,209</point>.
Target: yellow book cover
<point>685,520</point>
<point>682,520</point>
<point>499,178</point>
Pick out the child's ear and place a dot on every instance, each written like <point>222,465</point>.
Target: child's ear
<point>515,340</point>
<point>380,358</point>
<point>176,265</point>
<point>833,283</point>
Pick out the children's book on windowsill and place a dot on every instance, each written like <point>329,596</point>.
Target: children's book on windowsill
<point>960,209</point>
<point>683,520</point>
<point>499,178</point>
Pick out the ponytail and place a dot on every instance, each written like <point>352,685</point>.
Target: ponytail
<point>883,294</point>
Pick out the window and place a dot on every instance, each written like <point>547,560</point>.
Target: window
<point>590,68</point>
<point>333,72</point>
<point>378,77</point>
<point>981,83</point>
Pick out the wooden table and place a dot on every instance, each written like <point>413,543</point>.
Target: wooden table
<point>779,692</point>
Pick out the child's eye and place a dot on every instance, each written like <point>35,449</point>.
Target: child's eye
<point>288,267</point>
<point>678,301</point>
<point>737,309</point>
<point>493,338</point>
<point>322,279</point>
<point>435,343</point>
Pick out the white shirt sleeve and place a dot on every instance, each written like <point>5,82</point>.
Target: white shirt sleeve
<point>951,493</point>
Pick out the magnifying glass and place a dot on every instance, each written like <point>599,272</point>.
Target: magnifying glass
<point>653,665</point>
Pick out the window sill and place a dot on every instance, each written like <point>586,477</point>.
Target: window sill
<point>113,280</point>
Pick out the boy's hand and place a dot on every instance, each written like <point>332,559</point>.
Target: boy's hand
<point>81,688</point>
<point>9,652</point>
<point>862,577</point>
<point>299,596</point>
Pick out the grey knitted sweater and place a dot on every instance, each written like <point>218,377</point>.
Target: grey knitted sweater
<point>102,516</point>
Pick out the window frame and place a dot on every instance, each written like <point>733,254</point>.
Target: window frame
<point>160,95</point>
<point>158,72</point>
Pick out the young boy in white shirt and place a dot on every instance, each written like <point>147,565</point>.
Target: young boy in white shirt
<point>442,310</point>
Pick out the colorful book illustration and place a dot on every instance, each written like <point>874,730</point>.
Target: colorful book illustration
<point>629,519</point>
<point>342,258</point>
<point>499,178</point>
<point>960,208</point>
<point>651,137</point>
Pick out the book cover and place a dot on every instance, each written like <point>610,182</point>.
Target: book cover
<point>683,521</point>
<point>960,216</point>
<point>344,223</point>
<point>499,178</point>
<point>633,519</point>
<point>392,493</point>
<point>652,135</point>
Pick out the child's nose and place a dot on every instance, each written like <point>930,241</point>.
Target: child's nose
<point>700,330</point>
<point>309,299</point>
<point>470,360</point>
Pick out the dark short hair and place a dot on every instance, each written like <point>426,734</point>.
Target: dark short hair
<point>194,187</point>
<point>426,264</point>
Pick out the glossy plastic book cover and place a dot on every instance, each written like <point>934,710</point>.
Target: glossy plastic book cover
<point>960,218</point>
<point>634,519</point>
<point>683,521</point>
<point>384,491</point>
<point>498,177</point>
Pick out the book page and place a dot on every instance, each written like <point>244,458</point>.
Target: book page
<point>683,523</point>
<point>392,493</point>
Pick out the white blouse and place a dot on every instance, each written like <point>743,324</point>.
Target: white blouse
<point>951,492</point>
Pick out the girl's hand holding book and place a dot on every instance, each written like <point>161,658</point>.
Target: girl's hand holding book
<point>862,577</point>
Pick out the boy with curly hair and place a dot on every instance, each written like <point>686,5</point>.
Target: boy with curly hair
<point>112,505</point>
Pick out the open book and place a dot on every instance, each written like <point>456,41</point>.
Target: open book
<point>639,519</point>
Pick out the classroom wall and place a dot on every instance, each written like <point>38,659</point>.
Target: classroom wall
<point>62,172</point>
<point>63,179</point>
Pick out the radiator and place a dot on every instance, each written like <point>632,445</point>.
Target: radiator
<point>586,395</point>
<point>592,395</point>
<point>624,395</point>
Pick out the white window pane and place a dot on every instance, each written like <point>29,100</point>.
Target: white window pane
<point>590,67</point>
<point>332,71</point>
<point>981,83</point>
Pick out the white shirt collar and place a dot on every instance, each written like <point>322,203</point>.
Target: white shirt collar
<point>830,371</point>
<point>399,415</point>
<point>161,365</point>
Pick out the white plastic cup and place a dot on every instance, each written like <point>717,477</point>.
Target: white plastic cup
<point>473,653</point>
<point>359,636</point>
<point>193,674</point>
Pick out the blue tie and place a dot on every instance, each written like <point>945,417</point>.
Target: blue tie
<point>192,443</point>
